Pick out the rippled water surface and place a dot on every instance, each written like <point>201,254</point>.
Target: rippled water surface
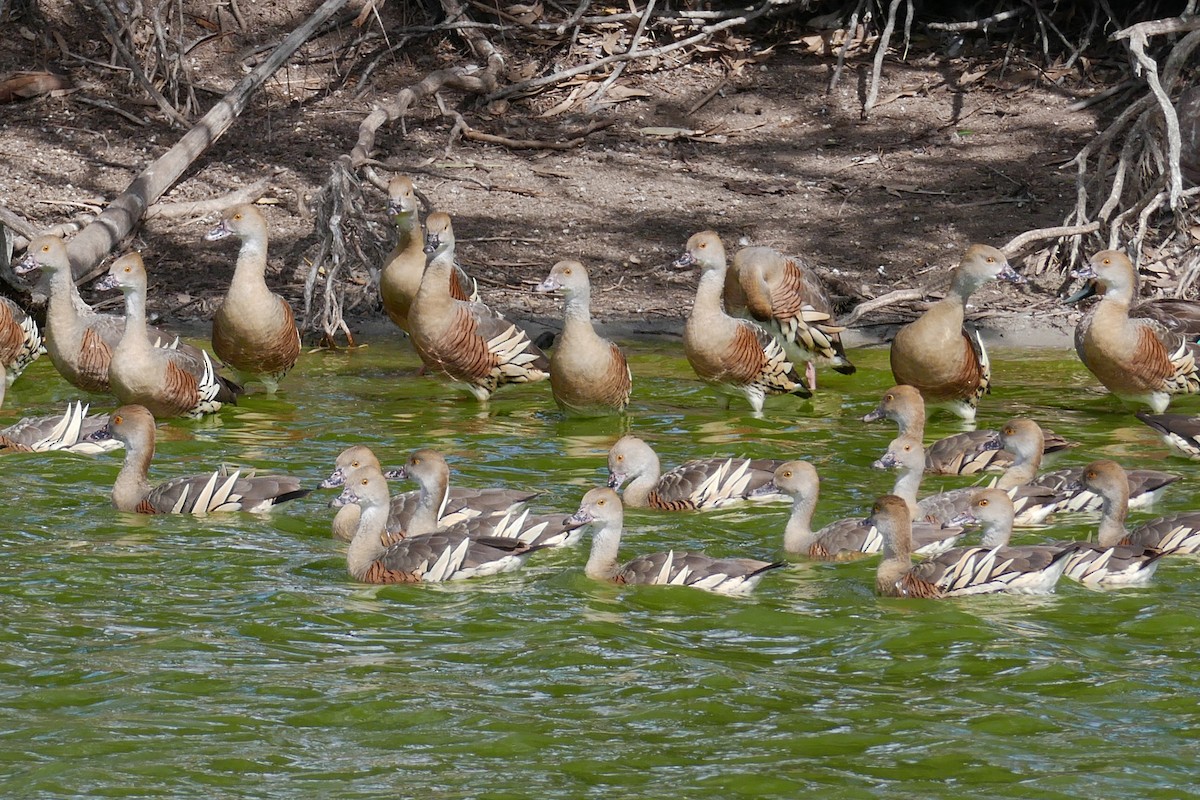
<point>233,657</point>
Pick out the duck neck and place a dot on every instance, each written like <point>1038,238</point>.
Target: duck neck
<point>1112,519</point>
<point>606,543</point>
<point>637,491</point>
<point>66,305</point>
<point>996,533</point>
<point>908,483</point>
<point>910,422</point>
<point>798,535</point>
<point>367,544</point>
<point>132,482</point>
<point>577,314</point>
<point>136,337</point>
<point>964,284</point>
<point>251,268</point>
<point>710,291</point>
<point>1024,468</point>
<point>434,294</point>
<point>429,504</point>
<point>896,561</point>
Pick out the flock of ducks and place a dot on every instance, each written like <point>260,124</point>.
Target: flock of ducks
<point>760,325</point>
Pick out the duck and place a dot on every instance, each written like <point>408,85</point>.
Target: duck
<point>1139,360</point>
<point>133,426</point>
<point>20,340</point>
<point>430,558</point>
<point>845,539</point>
<point>68,432</point>
<point>253,330</point>
<point>736,356</point>
<point>1023,438</point>
<point>965,453</point>
<point>589,375</point>
<point>936,353</point>
<point>1173,534</point>
<point>431,472</point>
<point>469,342</point>
<point>1173,313</point>
<point>959,571</point>
<point>601,509</point>
<point>783,295</point>
<point>401,275</point>
<point>1033,503</point>
<point>461,503</point>
<point>1181,432</point>
<point>170,383</point>
<point>79,340</point>
<point>698,485</point>
<point>1103,565</point>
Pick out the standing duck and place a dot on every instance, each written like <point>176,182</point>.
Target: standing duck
<point>589,375</point>
<point>936,354</point>
<point>784,296</point>
<point>601,508</point>
<point>1140,360</point>
<point>963,453</point>
<point>961,571</point>
<point>20,340</point>
<point>430,558</point>
<point>170,383</point>
<point>1173,534</point>
<point>80,340</point>
<point>734,355</point>
<point>133,426</point>
<point>460,503</point>
<point>697,485</point>
<point>401,276</point>
<point>469,342</point>
<point>845,539</point>
<point>254,329</point>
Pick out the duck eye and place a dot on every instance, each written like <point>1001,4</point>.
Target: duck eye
<point>236,217</point>
<point>354,464</point>
<point>991,259</point>
<point>601,502</point>
<point>888,397</point>
<point>1107,261</point>
<point>787,474</point>
<point>907,447</point>
<point>363,482</point>
<point>45,248</point>
<point>983,503</point>
<point>117,420</point>
<point>620,458</point>
<point>567,271</point>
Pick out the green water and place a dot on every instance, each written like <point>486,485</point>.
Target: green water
<point>232,656</point>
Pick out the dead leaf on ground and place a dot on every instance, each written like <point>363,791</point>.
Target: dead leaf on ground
<point>24,85</point>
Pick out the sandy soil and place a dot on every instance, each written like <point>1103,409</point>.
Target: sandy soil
<point>962,150</point>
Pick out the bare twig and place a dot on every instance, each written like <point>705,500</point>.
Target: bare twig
<point>1019,243</point>
<point>114,33</point>
<point>976,25</point>
<point>880,51</point>
<point>594,100</point>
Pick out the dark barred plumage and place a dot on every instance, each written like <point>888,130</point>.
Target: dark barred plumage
<point>20,339</point>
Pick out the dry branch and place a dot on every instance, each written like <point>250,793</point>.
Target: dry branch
<point>883,301</point>
<point>118,220</point>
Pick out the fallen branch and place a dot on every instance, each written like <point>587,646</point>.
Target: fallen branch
<point>199,208</point>
<point>883,301</point>
<point>1019,243</point>
<point>118,220</point>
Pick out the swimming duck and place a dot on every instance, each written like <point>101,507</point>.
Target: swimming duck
<point>1173,534</point>
<point>601,508</point>
<point>697,485</point>
<point>961,571</point>
<point>429,558</point>
<point>133,426</point>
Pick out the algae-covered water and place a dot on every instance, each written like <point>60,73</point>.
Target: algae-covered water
<point>233,657</point>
